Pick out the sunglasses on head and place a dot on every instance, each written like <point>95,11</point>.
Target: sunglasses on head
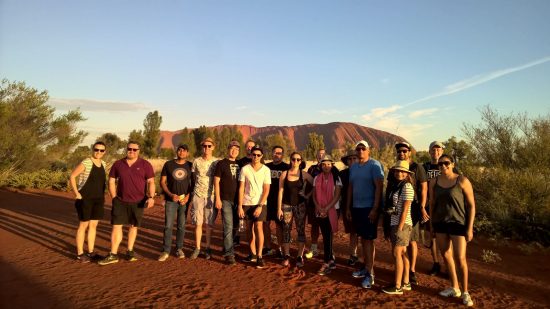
<point>446,163</point>
<point>296,159</point>
<point>99,150</point>
<point>207,146</point>
<point>257,155</point>
<point>132,149</point>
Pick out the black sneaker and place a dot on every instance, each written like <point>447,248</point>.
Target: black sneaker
<point>208,254</point>
<point>267,252</point>
<point>251,258</point>
<point>352,260</point>
<point>279,255</point>
<point>230,260</point>
<point>300,262</point>
<point>412,278</point>
<point>260,263</point>
<point>83,258</point>
<point>94,257</point>
<point>436,269</point>
<point>392,290</point>
<point>109,259</point>
<point>131,256</point>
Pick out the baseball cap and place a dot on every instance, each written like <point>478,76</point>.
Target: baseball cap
<point>182,146</point>
<point>438,144</point>
<point>362,142</point>
<point>402,144</point>
<point>233,143</point>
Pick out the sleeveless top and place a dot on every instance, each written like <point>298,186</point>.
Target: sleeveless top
<point>449,204</point>
<point>291,193</point>
<point>83,177</point>
<point>95,183</point>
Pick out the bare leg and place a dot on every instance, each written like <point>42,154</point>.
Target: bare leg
<point>198,235</point>
<point>459,246</point>
<point>406,265</point>
<point>208,235</point>
<point>444,244</point>
<point>251,237</point>
<point>132,235</point>
<point>398,259</point>
<point>267,233</point>
<point>413,252</point>
<point>260,235</point>
<point>353,244</point>
<point>91,234</point>
<point>116,238</point>
<point>368,254</point>
<point>80,235</point>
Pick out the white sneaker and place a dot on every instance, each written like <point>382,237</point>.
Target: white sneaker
<point>450,292</point>
<point>467,300</point>
<point>163,257</point>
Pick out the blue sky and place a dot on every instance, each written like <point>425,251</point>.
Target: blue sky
<point>419,69</point>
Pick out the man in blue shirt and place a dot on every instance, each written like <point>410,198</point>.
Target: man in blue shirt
<point>366,180</point>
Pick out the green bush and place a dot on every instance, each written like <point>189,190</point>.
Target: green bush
<point>40,179</point>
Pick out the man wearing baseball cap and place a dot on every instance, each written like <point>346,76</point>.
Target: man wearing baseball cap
<point>226,186</point>
<point>418,205</point>
<point>176,184</point>
<point>366,180</point>
<point>432,171</point>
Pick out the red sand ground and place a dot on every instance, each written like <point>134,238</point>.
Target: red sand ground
<point>38,270</point>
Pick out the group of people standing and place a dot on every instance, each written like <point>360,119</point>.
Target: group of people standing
<point>250,195</point>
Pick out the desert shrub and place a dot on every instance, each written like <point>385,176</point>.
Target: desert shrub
<point>490,257</point>
<point>40,179</point>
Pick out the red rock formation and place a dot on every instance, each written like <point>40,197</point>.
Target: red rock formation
<point>336,134</point>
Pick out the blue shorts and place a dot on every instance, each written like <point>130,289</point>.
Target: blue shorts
<point>363,227</point>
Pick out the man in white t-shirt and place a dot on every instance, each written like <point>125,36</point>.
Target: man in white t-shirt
<point>254,183</point>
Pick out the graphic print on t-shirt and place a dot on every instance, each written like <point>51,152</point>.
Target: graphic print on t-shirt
<point>179,174</point>
<point>234,167</point>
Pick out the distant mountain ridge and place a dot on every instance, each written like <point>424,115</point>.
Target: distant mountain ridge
<point>336,134</point>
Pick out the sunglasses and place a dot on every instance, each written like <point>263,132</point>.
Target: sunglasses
<point>446,163</point>
<point>402,151</point>
<point>361,149</point>
<point>257,155</point>
<point>296,159</point>
<point>99,150</point>
<point>207,146</point>
<point>132,149</point>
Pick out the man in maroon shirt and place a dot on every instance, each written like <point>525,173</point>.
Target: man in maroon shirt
<point>129,179</point>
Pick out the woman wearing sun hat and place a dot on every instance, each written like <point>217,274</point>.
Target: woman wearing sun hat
<point>401,197</point>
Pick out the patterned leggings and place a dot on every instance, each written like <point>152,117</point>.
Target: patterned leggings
<point>297,212</point>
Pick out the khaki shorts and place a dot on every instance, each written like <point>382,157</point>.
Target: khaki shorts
<point>203,210</point>
<point>400,238</point>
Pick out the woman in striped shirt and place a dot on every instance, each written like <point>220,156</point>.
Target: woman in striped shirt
<point>401,196</point>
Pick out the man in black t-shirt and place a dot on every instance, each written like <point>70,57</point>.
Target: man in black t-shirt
<point>418,206</point>
<point>277,167</point>
<point>226,186</point>
<point>176,183</point>
<point>432,171</point>
<point>248,157</point>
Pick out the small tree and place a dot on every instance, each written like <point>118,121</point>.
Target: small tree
<point>151,134</point>
<point>187,137</point>
<point>315,142</point>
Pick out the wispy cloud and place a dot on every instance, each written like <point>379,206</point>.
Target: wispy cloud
<point>241,108</point>
<point>96,105</point>
<point>331,112</point>
<point>381,112</point>
<point>478,80</point>
<point>422,112</point>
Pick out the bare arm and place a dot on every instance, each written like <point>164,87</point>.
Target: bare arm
<point>280,195</point>
<point>164,186</point>
<point>373,215</point>
<point>406,206</point>
<point>432,200</point>
<point>335,198</point>
<point>79,169</point>
<point>470,201</point>
<point>423,199</point>
<point>151,192</point>
<point>217,192</point>
<point>112,187</point>
<point>241,198</point>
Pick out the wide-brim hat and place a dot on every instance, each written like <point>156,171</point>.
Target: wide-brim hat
<point>327,158</point>
<point>347,155</point>
<point>401,165</point>
<point>208,139</point>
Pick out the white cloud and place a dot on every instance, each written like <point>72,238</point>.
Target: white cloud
<point>381,112</point>
<point>422,112</point>
<point>478,80</point>
<point>96,105</point>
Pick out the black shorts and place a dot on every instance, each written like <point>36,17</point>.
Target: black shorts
<point>451,228</point>
<point>127,213</point>
<point>89,209</point>
<point>361,222</point>
<point>249,213</point>
<point>311,216</point>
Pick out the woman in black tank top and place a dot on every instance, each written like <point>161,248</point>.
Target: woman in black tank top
<point>452,212</point>
<point>291,205</point>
